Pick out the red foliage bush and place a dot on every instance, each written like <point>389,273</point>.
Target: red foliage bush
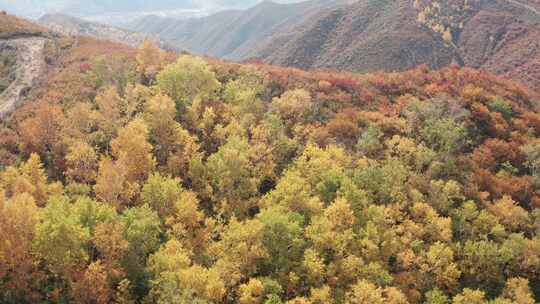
<point>520,188</point>
<point>85,67</point>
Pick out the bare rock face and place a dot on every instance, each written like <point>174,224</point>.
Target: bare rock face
<point>30,67</point>
<point>22,46</point>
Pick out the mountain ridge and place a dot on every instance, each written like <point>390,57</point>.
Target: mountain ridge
<point>372,35</point>
<point>72,26</point>
<point>230,34</point>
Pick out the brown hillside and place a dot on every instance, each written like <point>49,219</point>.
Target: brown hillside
<point>500,36</point>
<point>12,25</point>
<point>367,36</point>
<point>503,43</point>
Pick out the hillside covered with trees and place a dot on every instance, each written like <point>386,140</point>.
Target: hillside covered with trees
<point>140,176</point>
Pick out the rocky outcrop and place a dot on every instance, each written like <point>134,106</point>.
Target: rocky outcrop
<point>31,66</point>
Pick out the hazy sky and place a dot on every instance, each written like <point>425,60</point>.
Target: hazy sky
<point>36,8</point>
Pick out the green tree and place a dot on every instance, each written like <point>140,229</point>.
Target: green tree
<point>177,280</point>
<point>439,123</point>
<point>436,296</point>
<point>93,287</point>
<point>29,177</point>
<point>173,145</point>
<point>252,292</point>
<point>232,177</point>
<point>294,193</point>
<point>482,265</point>
<point>150,59</point>
<point>293,106</point>
<point>517,291</point>
<point>243,95</point>
<point>91,213</point>
<point>384,182</point>
<point>239,250</point>
<point>364,292</point>
<point>61,239</point>
<point>282,238</point>
<point>469,296</point>
<point>512,216</point>
<point>82,163</point>
<point>440,267</point>
<point>188,224</point>
<point>370,140</point>
<point>109,111</point>
<point>532,152</point>
<point>143,234</point>
<point>186,79</point>
<point>332,232</point>
<point>161,193</point>
<point>446,135</point>
<point>112,185</point>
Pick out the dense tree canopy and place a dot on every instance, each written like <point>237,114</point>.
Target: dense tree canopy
<point>147,179</point>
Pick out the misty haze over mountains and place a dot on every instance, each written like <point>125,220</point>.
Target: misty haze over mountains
<point>118,11</point>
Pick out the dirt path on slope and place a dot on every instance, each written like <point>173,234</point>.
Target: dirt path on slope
<point>525,6</point>
<point>30,66</point>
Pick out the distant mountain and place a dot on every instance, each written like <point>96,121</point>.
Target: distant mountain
<point>232,34</point>
<point>72,26</point>
<point>36,8</point>
<point>14,26</point>
<point>194,35</point>
<point>112,11</point>
<point>366,36</point>
<point>502,36</point>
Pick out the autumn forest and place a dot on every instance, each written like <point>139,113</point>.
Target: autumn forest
<point>144,176</point>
